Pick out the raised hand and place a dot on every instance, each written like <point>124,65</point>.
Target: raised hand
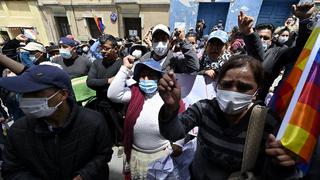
<point>303,11</point>
<point>170,91</point>
<point>22,38</point>
<point>245,23</point>
<point>128,61</point>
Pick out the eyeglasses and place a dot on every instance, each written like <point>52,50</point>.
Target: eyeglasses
<point>265,38</point>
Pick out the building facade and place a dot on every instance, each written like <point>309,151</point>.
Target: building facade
<point>213,11</point>
<point>21,17</point>
<point>120,17</point>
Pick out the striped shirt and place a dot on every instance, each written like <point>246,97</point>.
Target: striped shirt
<point>220,143</point>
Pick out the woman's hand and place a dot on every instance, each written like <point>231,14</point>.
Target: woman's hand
<point>170,91</point>
<point>279,154</point>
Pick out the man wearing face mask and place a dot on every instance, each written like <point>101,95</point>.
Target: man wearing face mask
<point>274,59</point>
<point>162,54</point>
<point>56,139</point>
<point>33,54</point>
<point>138,50</point>
<point>283,36</point>
<point>71,62</point>
<point>215,55</point>
<point>100,76</point>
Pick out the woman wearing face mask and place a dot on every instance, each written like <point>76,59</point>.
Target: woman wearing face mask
<point>142,140</point>
<point>223,124</point>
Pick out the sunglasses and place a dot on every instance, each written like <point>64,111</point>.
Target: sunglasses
<point>265,38</point>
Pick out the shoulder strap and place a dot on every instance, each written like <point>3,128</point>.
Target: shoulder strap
<point>253,137</point>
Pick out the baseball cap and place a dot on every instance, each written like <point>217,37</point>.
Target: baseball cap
<point>219,34</point>
<point>161,27</point>
<point>68,41</point>
<point>34,46</point>
<point>150,63</point>
<point>38,78</point>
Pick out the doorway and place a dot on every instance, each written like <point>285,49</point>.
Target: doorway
<point>132,27</point>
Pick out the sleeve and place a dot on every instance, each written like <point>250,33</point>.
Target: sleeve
<point>103,153</point>
<point>118,92</point>
<point>254,46</point>
<point>89,63</point>
<point>92,81</point>
<point>175,126</point>
<point>94,49</point>
<point>12,167</point>
<point>25,60</point>
<point>190,63</point>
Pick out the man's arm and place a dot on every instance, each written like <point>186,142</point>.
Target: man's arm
<point>12,65</point>
<point>251,38</point>
<point>94,50</point>
<point>92,81</point>
<point>190,63</point>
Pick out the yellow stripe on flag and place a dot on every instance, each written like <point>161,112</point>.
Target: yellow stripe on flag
<point>294,138</point>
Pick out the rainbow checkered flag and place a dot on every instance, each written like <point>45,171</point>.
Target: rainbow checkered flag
<point>298,101</point>
<point>99,24</point>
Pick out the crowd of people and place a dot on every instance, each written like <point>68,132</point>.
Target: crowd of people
<point>48,133</point>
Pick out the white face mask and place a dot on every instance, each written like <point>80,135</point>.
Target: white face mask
<point>231,102</point>
<point>283,39</point>
<point>85,49</point>
<point>160,48</point>
<point>137,53</point>
<point>265,45</point>
<point>37,107</point>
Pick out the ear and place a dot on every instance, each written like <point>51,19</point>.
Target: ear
<point>64,93</point>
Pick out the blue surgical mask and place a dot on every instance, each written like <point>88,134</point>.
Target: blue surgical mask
<point>148,86</point>
<point>33,58</point>
<point>66,54</point>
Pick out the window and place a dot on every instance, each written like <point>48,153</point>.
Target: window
<point>63,26</point>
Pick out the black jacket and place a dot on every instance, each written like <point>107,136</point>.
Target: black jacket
<point>276,58</point>
<point>81,147</point>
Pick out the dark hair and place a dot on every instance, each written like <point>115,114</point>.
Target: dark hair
<point>242,61</point>
<point>107,37</point>
<point>191,34</point>
<point>283,30</point>
<point>265,26</point>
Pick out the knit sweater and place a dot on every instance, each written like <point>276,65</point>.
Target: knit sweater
<point>99,73</point>
<point>74,67</point>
